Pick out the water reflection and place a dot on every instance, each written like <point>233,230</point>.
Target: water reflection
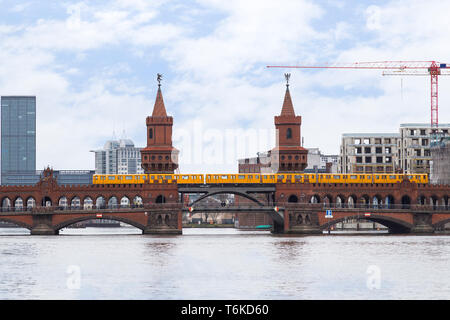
<point>121,263</point>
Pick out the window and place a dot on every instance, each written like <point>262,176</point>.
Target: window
<point>367,150</point>
<point>387,141</point>
<point>358,159</point>
<point>150,133</point>
<point>358,150</point>
<point>422,132</point>
<point>378,150</point>
<point>377,140</point>
<point>368,159</point>
<point>289,133</point>
<point>366,141</point>
<point>379,159</point>
<point>424,142</point>
<point>411,132</point>
<point>357,141</point>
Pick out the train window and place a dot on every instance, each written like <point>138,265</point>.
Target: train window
<point>298,177</point>
<point>185,177</point>
<point>103,178</point>
<point>336,177</point>
<point>224,177</point>
<point>144,177</point>
<point>353,177</point>
<point>128,177</point>
<point>111,178</point>
<point>392,177</point>
<point>410,177</point>
<point>257,176</point>
<point>241,177</point>
<point>328,177</point>
<point>383,177</point>
<point>167,177</point>
<point>378,177</point>
<point>95,178</point>
<point>368,177</point>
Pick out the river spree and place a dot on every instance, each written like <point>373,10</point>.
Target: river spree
<point>120,263</point>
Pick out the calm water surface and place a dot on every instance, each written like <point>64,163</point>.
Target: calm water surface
<point>120,263</point>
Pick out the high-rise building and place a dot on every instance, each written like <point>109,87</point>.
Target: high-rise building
<point>18,135</point>
<point>118,157</point>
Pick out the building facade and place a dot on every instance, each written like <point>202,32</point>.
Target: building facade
<point>18,135</point>
<point>118,157</point>
<point>63,177</point>
<point>369,153</point>
<point>440,163</point>
<point>415,147</point>
<point>407,151</point>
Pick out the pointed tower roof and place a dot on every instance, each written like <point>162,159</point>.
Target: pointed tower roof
<point>159,110</point>
<point>288,108</point>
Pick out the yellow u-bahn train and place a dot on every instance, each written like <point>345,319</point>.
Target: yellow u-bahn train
<point>256,178</point>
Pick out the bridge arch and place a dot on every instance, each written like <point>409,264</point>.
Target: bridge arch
<point>394,225</point>
<point>340,201</point>
<point>16,222</point>
<point>406,202</point>
<point>352,201</point>
<point>293,198</point>
<point>229,191</point>
<point>315,199</point>
<point>31,202</point>
<point>18,204</point>
<point>160,199</point>
<point>71,221</point>
<point>6,204</point>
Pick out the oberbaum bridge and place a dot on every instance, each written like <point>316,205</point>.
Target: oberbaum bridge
<point>295,208</point>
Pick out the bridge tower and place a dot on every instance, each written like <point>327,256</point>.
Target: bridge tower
<point>159,156</point>
<point>288,154</point>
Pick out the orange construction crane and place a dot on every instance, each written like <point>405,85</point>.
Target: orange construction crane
<point>415,68</point>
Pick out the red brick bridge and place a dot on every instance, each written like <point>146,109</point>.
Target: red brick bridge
<point>404,207</point>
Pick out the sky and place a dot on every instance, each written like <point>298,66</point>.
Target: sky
<point>92,66</point>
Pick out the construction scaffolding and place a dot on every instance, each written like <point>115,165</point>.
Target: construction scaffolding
<point>440,165</point>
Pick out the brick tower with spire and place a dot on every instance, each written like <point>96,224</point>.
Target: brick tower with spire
<point>159,156</point>
<point>288,154</point>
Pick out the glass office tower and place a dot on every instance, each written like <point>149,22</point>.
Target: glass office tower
<point>18,135</point>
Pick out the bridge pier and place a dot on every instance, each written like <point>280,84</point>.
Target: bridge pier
<point>422,223</point>
<point>42,225</point>
<point>301,222</point>
<point>164,222</point>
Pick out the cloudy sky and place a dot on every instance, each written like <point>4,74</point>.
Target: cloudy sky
<point>92,66</point>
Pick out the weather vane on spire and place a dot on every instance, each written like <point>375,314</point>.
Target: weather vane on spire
<point>287,76</point>
<point>159,78</point>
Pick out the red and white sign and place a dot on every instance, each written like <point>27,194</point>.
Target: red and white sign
<point>191,209</point>
<point>99,215</point>
<point>367,214</point>
<point>276,209</point>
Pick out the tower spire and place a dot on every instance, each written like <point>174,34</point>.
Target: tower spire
<point>288,107</point>
<point>159,110</point>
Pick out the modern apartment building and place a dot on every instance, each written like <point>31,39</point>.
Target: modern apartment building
<point>407,151</point>
<point>369,153</point>
<point>18,135</point>
<point>118,157</point>
<point>414,152</point>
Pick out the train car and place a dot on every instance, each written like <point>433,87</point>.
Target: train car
<point>268,178</point>
<point>189,178</point>
<point>254,178</point>
<point>119,178</point>
<point>161,178</point>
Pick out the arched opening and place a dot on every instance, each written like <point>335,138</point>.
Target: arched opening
<point>434,202</point>
<point>446,204</point>
<point>362,224</point>
<point>113,203</point>
<point>6,204</point>
<point>124,202</point>
<point>293,198</point>
<point>12,227</point>
<point>351,201</point>
<point>167,220</point>
<point>100,225</point>
<point>289,133</point>
<point>137,202</point>
<point>340,201</point>
<point>100,202</point>
<point>365,201</point>
<point>18,204</point>
<point>406,202</point>
<point>62,203</point>
<point>160,199</point>
<point>46,202</point>
<point>389,201</point>
<point>88,203</point>
<point>422,200</point>
<point>31,203</point>
<point>377,202</point>
<point>315,199</point>
<point>75,203</point>
<point>327,200</point>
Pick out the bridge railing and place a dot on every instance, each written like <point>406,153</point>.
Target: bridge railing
<point>44,209</point>
<point>371,206</point>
